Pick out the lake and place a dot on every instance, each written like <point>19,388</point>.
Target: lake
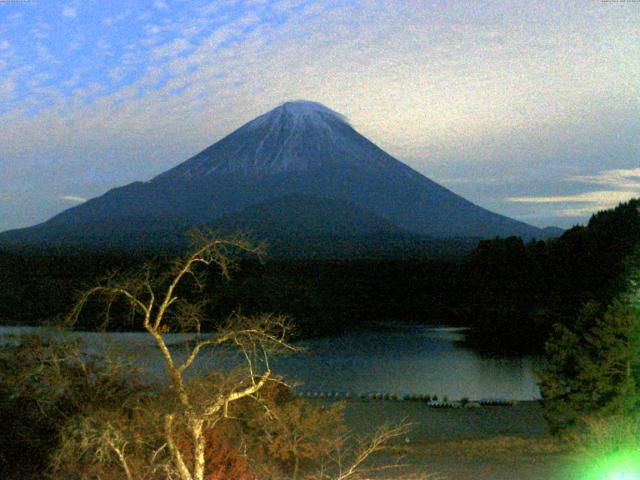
<point>405,359</point>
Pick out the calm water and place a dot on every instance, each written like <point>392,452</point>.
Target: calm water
<point>405,360</point>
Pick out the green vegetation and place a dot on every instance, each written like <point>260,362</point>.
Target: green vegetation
<point>321,296</point>
<point>594,364</point>
<point>518,292</point>
<point>594,367</point>
<point>591,384</point>
<point>608,448</point>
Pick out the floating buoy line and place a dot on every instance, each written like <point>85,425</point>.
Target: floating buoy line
<point>434,401</point>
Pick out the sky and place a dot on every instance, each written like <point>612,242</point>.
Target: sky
<point>530,109</point>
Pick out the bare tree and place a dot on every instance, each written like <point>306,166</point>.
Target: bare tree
<point>349,463</point>
<point>153,299</point>
<point>159,301</point>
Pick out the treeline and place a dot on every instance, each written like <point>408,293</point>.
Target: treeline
<point>509,291</point>
<point>321,296</point>
<point>515,292</point>
<point>326,297</point>
<point>38,288</point>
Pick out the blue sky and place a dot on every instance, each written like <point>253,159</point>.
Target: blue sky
<point>531,109</point>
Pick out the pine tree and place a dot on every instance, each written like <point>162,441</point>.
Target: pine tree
<point>594,366</point>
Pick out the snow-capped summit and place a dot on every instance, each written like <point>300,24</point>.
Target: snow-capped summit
<point>296,113</point>
<point>308,109</point>
<point>294,136</point>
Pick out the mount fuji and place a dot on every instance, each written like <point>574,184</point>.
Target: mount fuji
<point>298,171</point>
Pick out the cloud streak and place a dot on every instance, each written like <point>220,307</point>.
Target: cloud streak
<point>624,184</point>
<point>623,178</point>
<point>608,197</point>
<point>73,198</point>
<point>69,12</point>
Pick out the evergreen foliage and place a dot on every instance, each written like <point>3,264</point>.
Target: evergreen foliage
<point>594,364</point>
<point>516,292</point>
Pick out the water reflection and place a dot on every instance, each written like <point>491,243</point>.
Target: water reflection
<point>405,360</point>
<point>410,360</point>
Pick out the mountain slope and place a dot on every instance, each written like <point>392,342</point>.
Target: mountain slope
<point>299,148</point>
<point>303,216</point>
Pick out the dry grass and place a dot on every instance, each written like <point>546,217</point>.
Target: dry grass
<point>493,443</point>
<point>493,458</point>
<point>498,448</point>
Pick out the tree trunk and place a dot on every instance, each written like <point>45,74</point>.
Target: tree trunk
<point>199,444</point>
<point>183,471</point>
<point>296,463</point>
<point>296,467</point>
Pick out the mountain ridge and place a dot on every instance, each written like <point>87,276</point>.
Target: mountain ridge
<point>299,148</point>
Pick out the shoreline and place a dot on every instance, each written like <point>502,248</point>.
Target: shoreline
<point>487,443</point>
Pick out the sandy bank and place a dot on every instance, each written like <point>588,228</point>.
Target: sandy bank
<point>488,443</point>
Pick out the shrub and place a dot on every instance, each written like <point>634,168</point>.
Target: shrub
<point>593,368</point>
<point>608,447</point>
<point>45,382</point>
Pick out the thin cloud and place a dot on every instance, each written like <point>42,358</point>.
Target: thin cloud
<point>171,49</point>
<point>70,12</point>
<point>624,184</point>
<point>73,198</point>
<point>600,197</point>
<point>584,211</point>
<point>160,5</point>
<point>623,178</point>
<point>7,87</point>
